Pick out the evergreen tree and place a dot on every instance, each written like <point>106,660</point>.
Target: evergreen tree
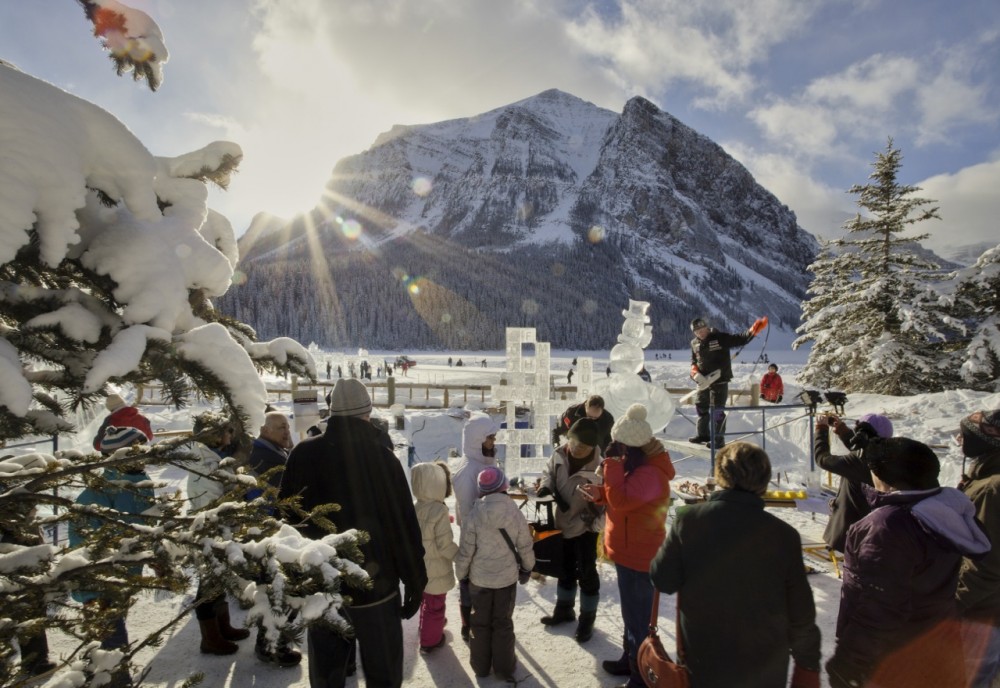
<point>873,321</point>
<point>976,306</point>
<point>109,261</point>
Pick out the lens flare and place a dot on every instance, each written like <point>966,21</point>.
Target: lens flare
<point>446,318</point>
<point>351,229</point>
<point>595,234</point>
<point>529,307</point>
<point>413,288</point>
<point>239,278</point>
<point>421,186</point>
<point>558,269</point>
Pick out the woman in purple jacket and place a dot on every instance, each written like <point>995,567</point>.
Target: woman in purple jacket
<point>897,626</point>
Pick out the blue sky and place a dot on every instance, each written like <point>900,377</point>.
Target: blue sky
<point>803,92</point>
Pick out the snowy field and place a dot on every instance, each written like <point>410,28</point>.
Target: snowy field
<point>548,656</point>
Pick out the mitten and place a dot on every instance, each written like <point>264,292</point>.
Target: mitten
<point>411,604</point>
<point>804,678</point>
<point>758,325</point>
<point>523,576</point>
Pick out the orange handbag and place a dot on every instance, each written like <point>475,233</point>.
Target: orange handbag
<point>655,665</point>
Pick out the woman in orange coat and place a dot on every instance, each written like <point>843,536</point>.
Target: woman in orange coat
<point>636,493</point>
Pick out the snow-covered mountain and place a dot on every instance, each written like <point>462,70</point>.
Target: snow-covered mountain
<point>550,212</point>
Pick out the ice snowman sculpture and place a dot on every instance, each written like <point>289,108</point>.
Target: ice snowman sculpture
<point>624,387</point>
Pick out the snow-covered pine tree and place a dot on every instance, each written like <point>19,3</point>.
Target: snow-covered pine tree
<point>109,261</point>
<point>975,303</point>
<point>874,326</point>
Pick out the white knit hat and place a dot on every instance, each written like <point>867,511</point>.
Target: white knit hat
<point>114,402</point>
<point>350,398</point>
<point>632,429</point>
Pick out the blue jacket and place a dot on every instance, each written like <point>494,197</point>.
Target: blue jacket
<point>120,495</point>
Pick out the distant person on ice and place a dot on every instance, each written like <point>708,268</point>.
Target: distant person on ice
<point>712,369</point>
<point>771,387</point>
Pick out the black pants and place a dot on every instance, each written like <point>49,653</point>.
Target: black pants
<point>579,564</point>
<point>492,641</point>
<point>379,632</point>
<point>716,395</point>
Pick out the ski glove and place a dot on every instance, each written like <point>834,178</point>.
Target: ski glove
<point>804,678</point>
<point>411,603</point>
<point>758,325</point>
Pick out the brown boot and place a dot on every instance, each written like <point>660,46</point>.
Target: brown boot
<point>212,642</point>
<point>227,631</point>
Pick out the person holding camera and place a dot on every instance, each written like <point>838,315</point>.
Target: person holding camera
<point>572,465</point>
<point>850,505</point>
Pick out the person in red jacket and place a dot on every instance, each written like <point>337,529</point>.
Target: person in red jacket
<point>636,493</point>
<point>122,415</point>
<point>771,387</point>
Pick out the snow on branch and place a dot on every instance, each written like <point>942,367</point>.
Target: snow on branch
<point>133,39</point>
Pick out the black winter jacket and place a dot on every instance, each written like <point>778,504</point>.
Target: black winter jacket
<point>850,505</point>
<point>745,601</point>
<point>577,411</point>
<point>347,466</point>
<point>712,353</point>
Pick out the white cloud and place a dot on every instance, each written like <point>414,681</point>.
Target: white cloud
<point>711,44</point>
<point>969,206</point>
<point>950,99</point>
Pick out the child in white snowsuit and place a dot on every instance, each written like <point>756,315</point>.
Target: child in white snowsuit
<point>431,484</point>
<point>490,564</point>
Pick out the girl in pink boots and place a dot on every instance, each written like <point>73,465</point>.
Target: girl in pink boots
<point>431,484</point>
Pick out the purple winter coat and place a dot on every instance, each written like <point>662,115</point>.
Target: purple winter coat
<point>901,567</point>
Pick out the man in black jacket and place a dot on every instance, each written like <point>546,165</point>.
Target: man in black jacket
<point>592,408</point>
<point>348,466</point>
<point>711,367</point>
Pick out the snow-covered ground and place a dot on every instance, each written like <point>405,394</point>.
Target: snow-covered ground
<point>549,656</point>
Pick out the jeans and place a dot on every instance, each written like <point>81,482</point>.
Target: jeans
<point>636,593</point>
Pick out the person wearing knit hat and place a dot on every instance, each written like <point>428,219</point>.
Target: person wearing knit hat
<point>636,495</point>
<point>494,550</point>
<point>125,489</point>
<point>978,594</point>
<point>350,398</point>
<point>122,415</point>
<point>632,430</point>
<point>116,438</point>
<point>850,504</point>
<point>571,466</point>
<point>491,479</point>
<point>896,624</point>
<point>349,466</point>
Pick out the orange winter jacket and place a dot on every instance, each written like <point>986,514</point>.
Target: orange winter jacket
<point>637,506</point>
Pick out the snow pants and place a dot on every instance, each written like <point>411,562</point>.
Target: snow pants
<point>492,639</point>
<point>715,396</point>
<point>432,619</point>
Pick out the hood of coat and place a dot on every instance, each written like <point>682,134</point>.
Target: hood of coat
<point>476,429</point>
<point>428,482</point>
<point>944,512</point>
<point>984,466</point>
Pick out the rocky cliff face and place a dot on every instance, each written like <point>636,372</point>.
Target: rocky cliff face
<point>550,212</point>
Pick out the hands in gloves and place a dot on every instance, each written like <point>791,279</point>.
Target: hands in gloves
<point>411,603</point>
<point>758,325</point>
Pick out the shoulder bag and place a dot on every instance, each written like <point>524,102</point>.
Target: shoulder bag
<point>655,665</point>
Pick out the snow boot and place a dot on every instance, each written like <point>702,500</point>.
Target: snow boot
<point>588,614</point>
<point>227,631</point>
<point>212,642</point>
<point>466,613</point>
<point>563,613</point>
<point>698,439</point>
